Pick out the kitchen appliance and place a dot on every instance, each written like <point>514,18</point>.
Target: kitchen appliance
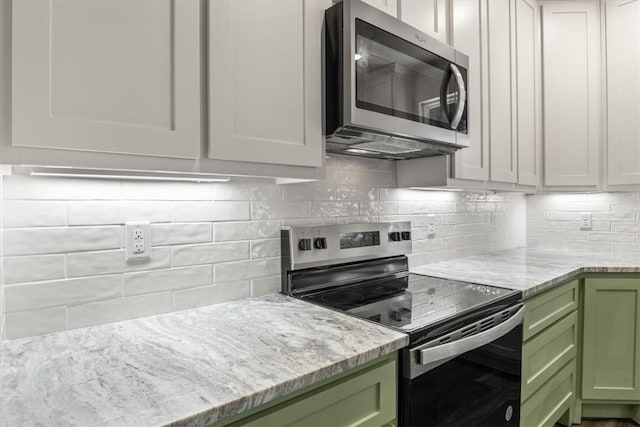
<point>391,91</point>
<point>462,366</point>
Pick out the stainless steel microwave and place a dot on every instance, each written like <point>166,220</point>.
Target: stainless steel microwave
<point>391,91</point>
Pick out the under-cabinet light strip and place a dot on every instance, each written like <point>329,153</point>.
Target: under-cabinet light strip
<point>111,174</point>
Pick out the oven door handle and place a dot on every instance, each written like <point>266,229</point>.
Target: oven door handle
<point>450,350</point>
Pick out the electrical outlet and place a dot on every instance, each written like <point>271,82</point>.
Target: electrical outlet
<point>137,241</point>
<point>431,225</point>
<point>585,220</point>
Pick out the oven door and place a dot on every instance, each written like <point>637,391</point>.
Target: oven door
<point>470,380</point>
<point>402,81</point>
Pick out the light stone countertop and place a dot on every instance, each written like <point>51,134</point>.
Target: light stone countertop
<point>529,270</point>
<point>188,368</point>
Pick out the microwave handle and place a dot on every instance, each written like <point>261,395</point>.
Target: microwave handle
<point>462,96</point>
<point>450,350</point>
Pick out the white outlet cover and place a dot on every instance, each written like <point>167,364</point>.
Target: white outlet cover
<point>137,238</point>
<point>585,220</point>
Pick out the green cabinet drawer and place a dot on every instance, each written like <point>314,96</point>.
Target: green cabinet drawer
<point>543,310</point>
<point>552,400</point>
<point>367,398</point>
<point>544,355</point>
<point>611,339</point>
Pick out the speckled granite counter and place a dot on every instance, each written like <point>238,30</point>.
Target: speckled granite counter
<point>187,368</point>
<point>529,270</point>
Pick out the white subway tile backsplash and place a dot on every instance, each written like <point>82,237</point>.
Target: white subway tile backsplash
<point>110,262</point>
<point>148,282</point>
<point>141,190</point>
<point>35,322</point>
<point>266,248</point>
<point>209,253</point>
<point>247,189</point>
<point>179,234</point>
<point>217,242</point>
<point>212,294</point>
<point>335,209</point>
<point>553,221</point>
<point>31,241</point>
<point>33,268</point>
<point>266,286</point>
<point>31,213</point>
<point>282,210</point>
<point>104,213</point>
<point>30,296</point>
<point>226,272</point>
<point>309,191</point>
<point>114,310</point>
<point>211,211</point>
<point>17,187</point>
<point>226,231</point>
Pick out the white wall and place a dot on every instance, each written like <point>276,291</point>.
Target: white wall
<point>64,264</point>
<point>553,222</point>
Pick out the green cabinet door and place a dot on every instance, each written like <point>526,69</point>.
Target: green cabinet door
<point>365,399</point>
<point>611,344</point>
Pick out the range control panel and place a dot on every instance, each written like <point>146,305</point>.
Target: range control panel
<point>315,246</point>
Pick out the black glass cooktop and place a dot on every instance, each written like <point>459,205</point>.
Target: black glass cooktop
<point>413,302</point>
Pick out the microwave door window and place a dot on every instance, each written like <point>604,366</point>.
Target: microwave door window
<point>397,78</point>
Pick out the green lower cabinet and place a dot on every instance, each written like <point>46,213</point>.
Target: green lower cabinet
<point>611,339</point>
<point>551,343</point>
<point>553,400</point>
<point>364,398</point>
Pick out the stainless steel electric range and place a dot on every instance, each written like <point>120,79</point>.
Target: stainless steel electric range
<point>462,366</point>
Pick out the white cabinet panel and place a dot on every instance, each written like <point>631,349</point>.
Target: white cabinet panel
<point>388,6</point>
<point>115,76</point>
<point>429,16</point>
<point>503,145</point>
<point>571,92</point>
<point>623,91</point>
<point>265,81</point>
<point>526,90</point>
<point>468,17</point>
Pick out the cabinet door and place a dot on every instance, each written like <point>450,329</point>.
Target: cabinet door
<point>388,6</point>
<point>571,92</point>
<point>527,132</point>
<point>113,76</point>
<point>265,81</point>
<point>429,16</point>
<point>611,344</point>
<point>623,91</point>
<point>503,146</point>
<point>468,35</point>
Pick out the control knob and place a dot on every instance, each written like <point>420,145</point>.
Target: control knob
<point>320,243</point>
<point>304,244</point>
<point>406,235</point>
<point>395,236</point>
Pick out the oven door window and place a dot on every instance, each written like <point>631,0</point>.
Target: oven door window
<point>480,388</point>
<point>397,78</point>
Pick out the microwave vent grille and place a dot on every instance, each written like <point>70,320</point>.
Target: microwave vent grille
<point>398,147</point>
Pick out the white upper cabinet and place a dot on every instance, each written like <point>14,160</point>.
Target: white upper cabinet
<point>623,91</point>
<point>526,90</point>
<point>388,6</point>
<point>115,76</point>
<point>265,81</point>
<point>571,93</point>
<point>429,16</point>
<point>503,147</point>
<point>467,36</point>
